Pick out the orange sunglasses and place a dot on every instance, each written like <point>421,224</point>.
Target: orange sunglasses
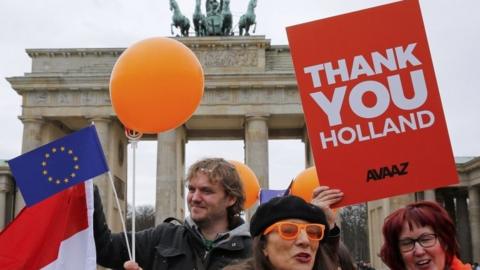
<point>290,230</point>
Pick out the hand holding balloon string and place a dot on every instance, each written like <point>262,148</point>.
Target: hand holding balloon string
<point>131,265</point>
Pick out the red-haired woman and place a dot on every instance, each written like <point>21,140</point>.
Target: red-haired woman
<point>421,236</point>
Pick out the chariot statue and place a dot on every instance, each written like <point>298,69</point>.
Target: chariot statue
<point>217,20</point>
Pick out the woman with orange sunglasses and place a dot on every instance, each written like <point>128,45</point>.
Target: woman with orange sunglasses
<point>289,233</point>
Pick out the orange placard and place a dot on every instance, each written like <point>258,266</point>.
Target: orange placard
<point>371,102</point>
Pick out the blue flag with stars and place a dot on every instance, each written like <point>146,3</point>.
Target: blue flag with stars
<point>58,165</point>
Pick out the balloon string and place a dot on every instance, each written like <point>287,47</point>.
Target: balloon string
<point>133,138</point>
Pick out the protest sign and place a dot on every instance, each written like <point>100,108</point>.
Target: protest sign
<point>371,102</point>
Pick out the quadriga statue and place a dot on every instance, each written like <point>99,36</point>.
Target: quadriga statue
<point>217,21</point>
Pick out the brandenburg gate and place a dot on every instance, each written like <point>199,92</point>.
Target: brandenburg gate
<point>250,94</point>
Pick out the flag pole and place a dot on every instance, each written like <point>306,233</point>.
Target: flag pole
<point>119,208</point>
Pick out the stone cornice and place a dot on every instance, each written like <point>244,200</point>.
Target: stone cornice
<point>224,42</point>
<point>469,166</point>
<point>279,48</point>
<point>78,52</point>
<point>200,42</point>
<point>101,83</point>
<point>55,83</point>
<point>192,42</point>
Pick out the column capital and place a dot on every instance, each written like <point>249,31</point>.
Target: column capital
<point>5,170</point>
<point>100,118</point>
<point>257,116</point>
<point>6,184</point>
<point>31,119</point>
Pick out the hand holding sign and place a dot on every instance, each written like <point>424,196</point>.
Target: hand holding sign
<point>325,197</point>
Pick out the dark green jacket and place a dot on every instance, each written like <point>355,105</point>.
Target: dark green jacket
<point>169,246</point>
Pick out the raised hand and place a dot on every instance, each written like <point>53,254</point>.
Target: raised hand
<point>324,197</point>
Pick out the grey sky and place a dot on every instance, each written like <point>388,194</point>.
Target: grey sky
<point>452,29</point>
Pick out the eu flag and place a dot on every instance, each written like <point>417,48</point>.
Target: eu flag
<point>58,165</point>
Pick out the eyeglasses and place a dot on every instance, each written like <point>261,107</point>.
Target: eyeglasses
<point>290,230</point>
<point>425,240</point>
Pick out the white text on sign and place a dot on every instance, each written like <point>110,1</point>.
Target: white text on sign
<point>393,59</point>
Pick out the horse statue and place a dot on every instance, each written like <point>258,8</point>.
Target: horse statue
<point>248,19</point>
<point>179,20</point>
<point>199,20</point>
<point>227,18</point>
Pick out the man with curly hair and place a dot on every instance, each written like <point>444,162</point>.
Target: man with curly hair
<point>213,236</point>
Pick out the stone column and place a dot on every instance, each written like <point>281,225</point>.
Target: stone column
<point>397,202</point>
<point>6,187</point>
<point>429,195</point>
<point>474,215</point>
<point>309,160</point>
<point>256,146</point>
<point>32,138</point>
<point>103,126</point>
<point>463,228</point>
<point>3,208</point>
<point>377,211</point>
<point>450,203</point>
<point>170,175</point>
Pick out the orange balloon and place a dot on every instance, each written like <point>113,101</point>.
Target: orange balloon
<point>304,184</point>
<point>156,85</point>
<point>249,181</point>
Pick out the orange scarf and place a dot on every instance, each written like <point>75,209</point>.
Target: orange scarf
<point>458,265</point>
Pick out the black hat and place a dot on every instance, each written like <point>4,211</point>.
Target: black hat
<point>286,207</point>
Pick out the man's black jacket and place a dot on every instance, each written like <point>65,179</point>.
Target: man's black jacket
<point>169,246</point>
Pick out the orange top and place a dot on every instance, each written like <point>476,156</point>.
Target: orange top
<point>458,265</point>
